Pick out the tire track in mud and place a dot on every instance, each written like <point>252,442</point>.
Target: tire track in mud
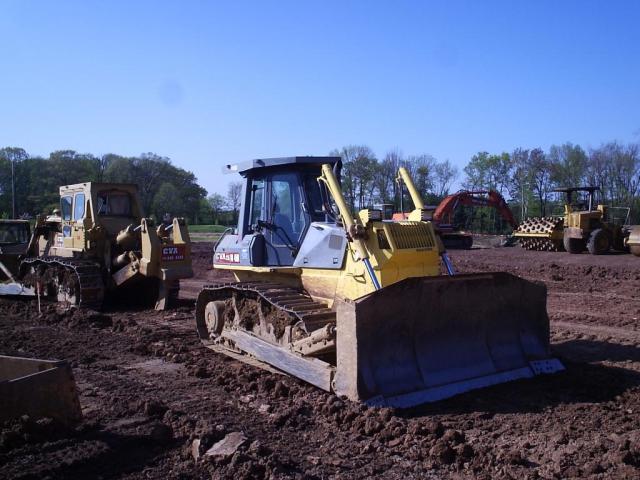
<point>616,333</point>
<point>150,389</point>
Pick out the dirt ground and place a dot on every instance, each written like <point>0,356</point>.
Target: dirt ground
<point>153,399</point>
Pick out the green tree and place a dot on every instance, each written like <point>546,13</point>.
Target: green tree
<point>568,165</point>
<point>444,174</point>
<point>167,200</point>
<point>12,178</point>
<point>358,175</point>
<point>216,204</point>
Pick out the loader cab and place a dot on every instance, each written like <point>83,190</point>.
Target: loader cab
<point>580,209</point>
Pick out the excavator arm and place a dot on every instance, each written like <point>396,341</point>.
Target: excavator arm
<point>478,198</point>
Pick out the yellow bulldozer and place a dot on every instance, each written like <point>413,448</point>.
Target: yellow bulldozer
<point>356,305</point>
<point>584,226</point>
<point>98,242</point>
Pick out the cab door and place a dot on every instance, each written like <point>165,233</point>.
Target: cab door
<point>65,239</point>
<point>286,219</point>
<point>79,221</point>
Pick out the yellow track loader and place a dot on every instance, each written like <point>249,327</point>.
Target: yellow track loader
<point>99,242</point>
<point>356,305</point>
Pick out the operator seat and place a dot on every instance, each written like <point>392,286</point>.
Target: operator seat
<point>284,229</point>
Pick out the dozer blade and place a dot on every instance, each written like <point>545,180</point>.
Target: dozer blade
<point>38,388</point>
<point>425,339</point>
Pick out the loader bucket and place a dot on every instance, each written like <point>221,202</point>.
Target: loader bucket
<point>424,339</point>
<point>38,388</point>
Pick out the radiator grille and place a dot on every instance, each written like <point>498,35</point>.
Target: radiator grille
<point>407,235</point>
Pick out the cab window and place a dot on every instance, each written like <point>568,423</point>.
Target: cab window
<point>257,193</point>
<point>114,204</point>
<point>78,208</point>
<point>13,233</point>
<point>65,207</point>
<point>314,198</point>
<point>286,213</point>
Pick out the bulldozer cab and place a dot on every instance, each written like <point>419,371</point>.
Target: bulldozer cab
<point>14,233</point>
<point>281,199</point>
<point>85,205</point>
<point>14,241</point>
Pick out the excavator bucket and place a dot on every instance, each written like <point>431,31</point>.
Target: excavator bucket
<point>425,339</point>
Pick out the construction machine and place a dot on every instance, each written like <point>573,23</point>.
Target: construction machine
<point>583,226</point>
<point>632,240</point>
<point>541,233</point>
<point>14,240</point>
<point>38,388</point>
<point>355,304</point>
<point>586,226</point>
<point>442,214</point>
<point>100,242</point>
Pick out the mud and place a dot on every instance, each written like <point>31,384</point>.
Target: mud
<point>154,401</point>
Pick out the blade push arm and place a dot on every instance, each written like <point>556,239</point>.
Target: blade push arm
<point>404,177</point>
<point>353,227</point>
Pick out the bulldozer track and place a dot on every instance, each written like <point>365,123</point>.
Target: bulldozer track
<point>299,305</point>
<point>86,274</point>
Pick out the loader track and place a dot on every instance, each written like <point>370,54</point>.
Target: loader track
<point>75,283</point>
<point>299,309</point>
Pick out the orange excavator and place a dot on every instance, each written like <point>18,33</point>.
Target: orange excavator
<point>442,216</point>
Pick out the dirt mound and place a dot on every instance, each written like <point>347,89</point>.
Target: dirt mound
<point>155,401</point>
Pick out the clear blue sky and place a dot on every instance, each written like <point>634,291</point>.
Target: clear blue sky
<point>209,83</point>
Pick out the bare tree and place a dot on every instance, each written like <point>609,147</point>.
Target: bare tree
<point>540,174</point>
<point>234,193</point>
<point>216,203</point>
<point>520,182</point>
<point>358,174</point>
<point>444,174</point>
<point>385,184</point>
<point>421,168</point>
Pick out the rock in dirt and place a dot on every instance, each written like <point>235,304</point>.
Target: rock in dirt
<point>442,453</point>
<point>227,446</point>
<point>195,449</point>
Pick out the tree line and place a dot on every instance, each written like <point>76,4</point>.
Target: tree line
<point>525,176</point>
<point>529,176</point>
<point>164,188</point>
